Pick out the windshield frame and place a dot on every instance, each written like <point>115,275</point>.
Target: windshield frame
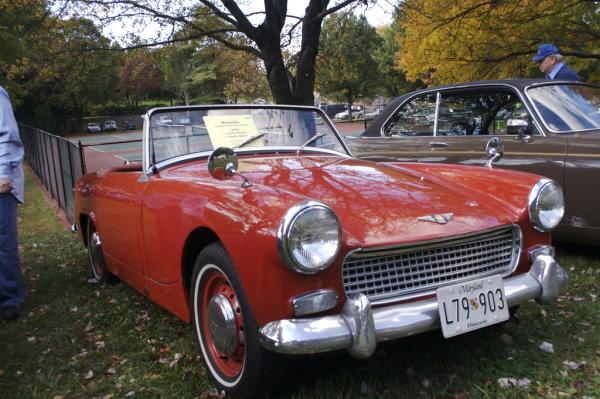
<point>539,114</point>
<point>151,167</point>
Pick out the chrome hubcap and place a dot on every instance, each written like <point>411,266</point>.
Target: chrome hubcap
<point>96,254</point>
<point>222,325</point>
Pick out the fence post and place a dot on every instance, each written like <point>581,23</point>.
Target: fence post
<point>81,157</point>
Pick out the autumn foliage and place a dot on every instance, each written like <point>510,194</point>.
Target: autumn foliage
<point>453,41</point>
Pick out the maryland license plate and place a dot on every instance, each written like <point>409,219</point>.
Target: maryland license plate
<point>471,305</point>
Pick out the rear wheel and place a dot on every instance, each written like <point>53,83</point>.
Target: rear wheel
<point>97,262</point>
<point>225,327</point>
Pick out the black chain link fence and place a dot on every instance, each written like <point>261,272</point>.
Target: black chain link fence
<point>56,161</point>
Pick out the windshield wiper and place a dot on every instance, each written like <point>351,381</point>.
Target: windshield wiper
<point>310,140</point>
<point>249,140</point>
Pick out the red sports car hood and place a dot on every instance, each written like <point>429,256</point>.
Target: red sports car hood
<point>380,204</point>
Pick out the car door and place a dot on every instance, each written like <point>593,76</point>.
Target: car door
<point>469,117</point>
<point>118,220</point>
<point>581,195</point>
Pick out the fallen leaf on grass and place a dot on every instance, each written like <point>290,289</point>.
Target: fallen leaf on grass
<point>89,375</point>
<point>574,365</point>
<point>507,382</point>
<point>89,327</point>
<point>212,393</point>
<point>177,356</point>
<point>151,376</point>
<point>163,360</point>
<point>546,347</point>
<point>1,372</point>
<point>111,371</point>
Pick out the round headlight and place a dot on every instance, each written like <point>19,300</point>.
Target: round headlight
<point>546,205</point>
<point>309,237</point>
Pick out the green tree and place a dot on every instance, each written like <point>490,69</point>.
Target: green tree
<point>53,77</point>
<point>393,80</point>
<point>21,21</point>
<point>243,75</point>
<point>450,41</point>
<point>192,72</point>
<point>141,76</point>
<point>346,66</point>
<point>290,82</point>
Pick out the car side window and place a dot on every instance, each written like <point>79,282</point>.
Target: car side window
<point>415,118</point>
<point>474,113</point>
<point>512,110</point>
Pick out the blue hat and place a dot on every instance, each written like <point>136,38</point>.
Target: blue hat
<point>544,50</point>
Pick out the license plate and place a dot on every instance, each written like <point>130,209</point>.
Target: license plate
<point>471,305</point>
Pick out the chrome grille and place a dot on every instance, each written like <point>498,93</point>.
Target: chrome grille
<point>382,274</point>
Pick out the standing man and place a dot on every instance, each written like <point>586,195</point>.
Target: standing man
<point>12,291</point>
<point>550,62</point>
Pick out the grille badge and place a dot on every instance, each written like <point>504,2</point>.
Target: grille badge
<point>441,218</point>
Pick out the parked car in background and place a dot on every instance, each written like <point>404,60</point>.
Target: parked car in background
<point>259,228</point>
<point>357,113</point>
<point>551,128</point>
<point>94,127</point>
<point>185,120</point>
<point>372,114</point>
<point>332,109</point>
<point>165,120</point>
<point>128,125</point>
<point>110,125</point>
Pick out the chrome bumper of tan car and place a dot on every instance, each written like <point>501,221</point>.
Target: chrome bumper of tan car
<point>358,327</point>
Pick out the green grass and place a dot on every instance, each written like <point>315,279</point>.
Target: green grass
<point>77,339</point>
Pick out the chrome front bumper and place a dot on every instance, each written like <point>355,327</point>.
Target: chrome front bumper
<point>358,327</point>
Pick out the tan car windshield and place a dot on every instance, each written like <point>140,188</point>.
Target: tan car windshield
<point>567,108</point>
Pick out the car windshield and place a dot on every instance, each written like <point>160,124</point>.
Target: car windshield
<point>207,128</point>
<point>567,108</point>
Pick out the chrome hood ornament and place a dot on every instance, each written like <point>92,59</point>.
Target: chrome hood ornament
<point>494,150</point>
<point>441,218</point>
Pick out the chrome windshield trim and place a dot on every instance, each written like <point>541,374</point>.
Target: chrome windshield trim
<point>556,83</point>
<point>454,240</point>
<point>245,151</point>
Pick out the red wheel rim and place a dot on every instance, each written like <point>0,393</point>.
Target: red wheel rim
<point>229,365</point>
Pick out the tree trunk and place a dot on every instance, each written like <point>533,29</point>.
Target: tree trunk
<point>286,88</point>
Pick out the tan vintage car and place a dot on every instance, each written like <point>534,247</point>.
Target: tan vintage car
<point>551,128</point>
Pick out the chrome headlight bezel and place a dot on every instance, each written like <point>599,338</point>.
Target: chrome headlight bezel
<point>286,228</point>
<point>539,190</point>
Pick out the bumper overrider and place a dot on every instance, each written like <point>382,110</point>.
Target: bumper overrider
<point>359,327</point>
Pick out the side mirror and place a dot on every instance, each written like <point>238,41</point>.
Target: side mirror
<point>494,150</point>
<point>223,163</point>
<point>518,127</point>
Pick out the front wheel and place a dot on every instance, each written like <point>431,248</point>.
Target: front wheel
<point>225,327</point>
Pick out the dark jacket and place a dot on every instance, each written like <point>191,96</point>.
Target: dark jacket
<point>566,73</point>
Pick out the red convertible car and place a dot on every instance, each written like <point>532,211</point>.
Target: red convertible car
<point>257,226</point>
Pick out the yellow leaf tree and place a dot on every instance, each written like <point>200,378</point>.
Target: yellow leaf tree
<point>445,41</point>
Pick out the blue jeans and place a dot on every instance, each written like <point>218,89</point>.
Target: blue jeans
<point>12,291</point>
